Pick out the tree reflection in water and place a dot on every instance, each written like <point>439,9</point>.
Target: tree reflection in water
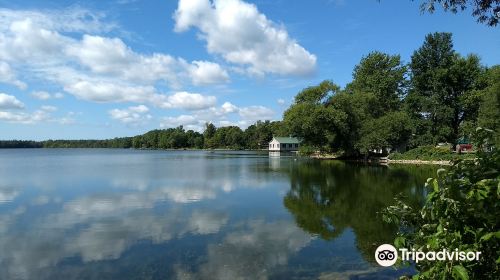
<point>327,197</point>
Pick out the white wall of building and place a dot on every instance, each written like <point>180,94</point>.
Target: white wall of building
<point>274,145</point>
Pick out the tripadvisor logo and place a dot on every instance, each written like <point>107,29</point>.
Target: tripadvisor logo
<point>387,255</point>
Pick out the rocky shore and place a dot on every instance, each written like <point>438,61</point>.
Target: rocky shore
<point>417,161</point>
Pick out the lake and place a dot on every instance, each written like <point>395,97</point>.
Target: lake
<point>133,214</point>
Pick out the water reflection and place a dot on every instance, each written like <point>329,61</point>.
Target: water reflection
<point>327,197</point>
<point>96,238</point>
<point>252,250</point>
<point>106,214</point>
<point>7,194</point>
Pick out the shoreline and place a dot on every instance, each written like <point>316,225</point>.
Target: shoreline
<point>316,156</point>
<point>384,161</point>
<point>419,161</point>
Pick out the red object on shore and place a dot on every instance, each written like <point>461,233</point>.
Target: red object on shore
<point>465,147</point>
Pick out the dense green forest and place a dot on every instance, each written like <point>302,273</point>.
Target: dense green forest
<point>439,96</point>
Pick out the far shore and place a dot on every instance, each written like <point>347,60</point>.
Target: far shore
<point>314,156</point>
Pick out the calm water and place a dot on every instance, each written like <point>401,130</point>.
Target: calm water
<point>124,214</point>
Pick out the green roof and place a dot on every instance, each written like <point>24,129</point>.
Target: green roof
<point>463,140</point>
<point>288,140</point>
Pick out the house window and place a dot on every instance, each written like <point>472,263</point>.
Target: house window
<point>278,145</point>
<point>296,145</point>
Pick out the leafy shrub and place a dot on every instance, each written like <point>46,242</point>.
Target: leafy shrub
<point>461,212</point>
<point>306,150</point>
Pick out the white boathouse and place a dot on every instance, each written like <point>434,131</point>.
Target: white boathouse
<point>284,144</point>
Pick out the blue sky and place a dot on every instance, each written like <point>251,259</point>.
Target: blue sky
<point>102,69</point>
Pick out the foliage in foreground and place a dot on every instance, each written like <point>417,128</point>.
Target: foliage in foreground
<point>485,11</point>
<point>461,212</point>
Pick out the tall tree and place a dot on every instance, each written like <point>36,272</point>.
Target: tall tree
<point>316,124</point>
<point>384,76</point>
<point>309,117</point>
<point>442,81</point>
<point>317,94</point>
<point>356,109</point>
<point>489,111</point>
<point>392,130</point>
<point>209,134</point>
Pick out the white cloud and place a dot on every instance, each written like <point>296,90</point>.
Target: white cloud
<point>281,101</point>
<point>254,113</point>
<point>43,114</point>
<point>73,19</point>
<point>227,108</point>
<point>187,121</point>
<point>204,72</point>
<point>68,119</point>
<point>238,32</point>
<point>134,115</point>
<point>48,108</point>
<point>109,92</point>
<point>43,95</point>
<point>96,68</point>
<point>111,56</point>
<point>10,102</point>
<point>224,123</point>
<point>220,117</point>
<point>180,120</point>
<point>102,55</point>
<point>8,76</point>
<point>139,109</point>
<point>25,118</point>
<point>26,41</point>
<point>189,101</point>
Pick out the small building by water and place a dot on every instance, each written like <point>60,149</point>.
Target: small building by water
<point>284,144</point>
<point>464,145</point>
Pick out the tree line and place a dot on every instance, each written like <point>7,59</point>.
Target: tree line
<point>256,136</point>
<point>439,96</point>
